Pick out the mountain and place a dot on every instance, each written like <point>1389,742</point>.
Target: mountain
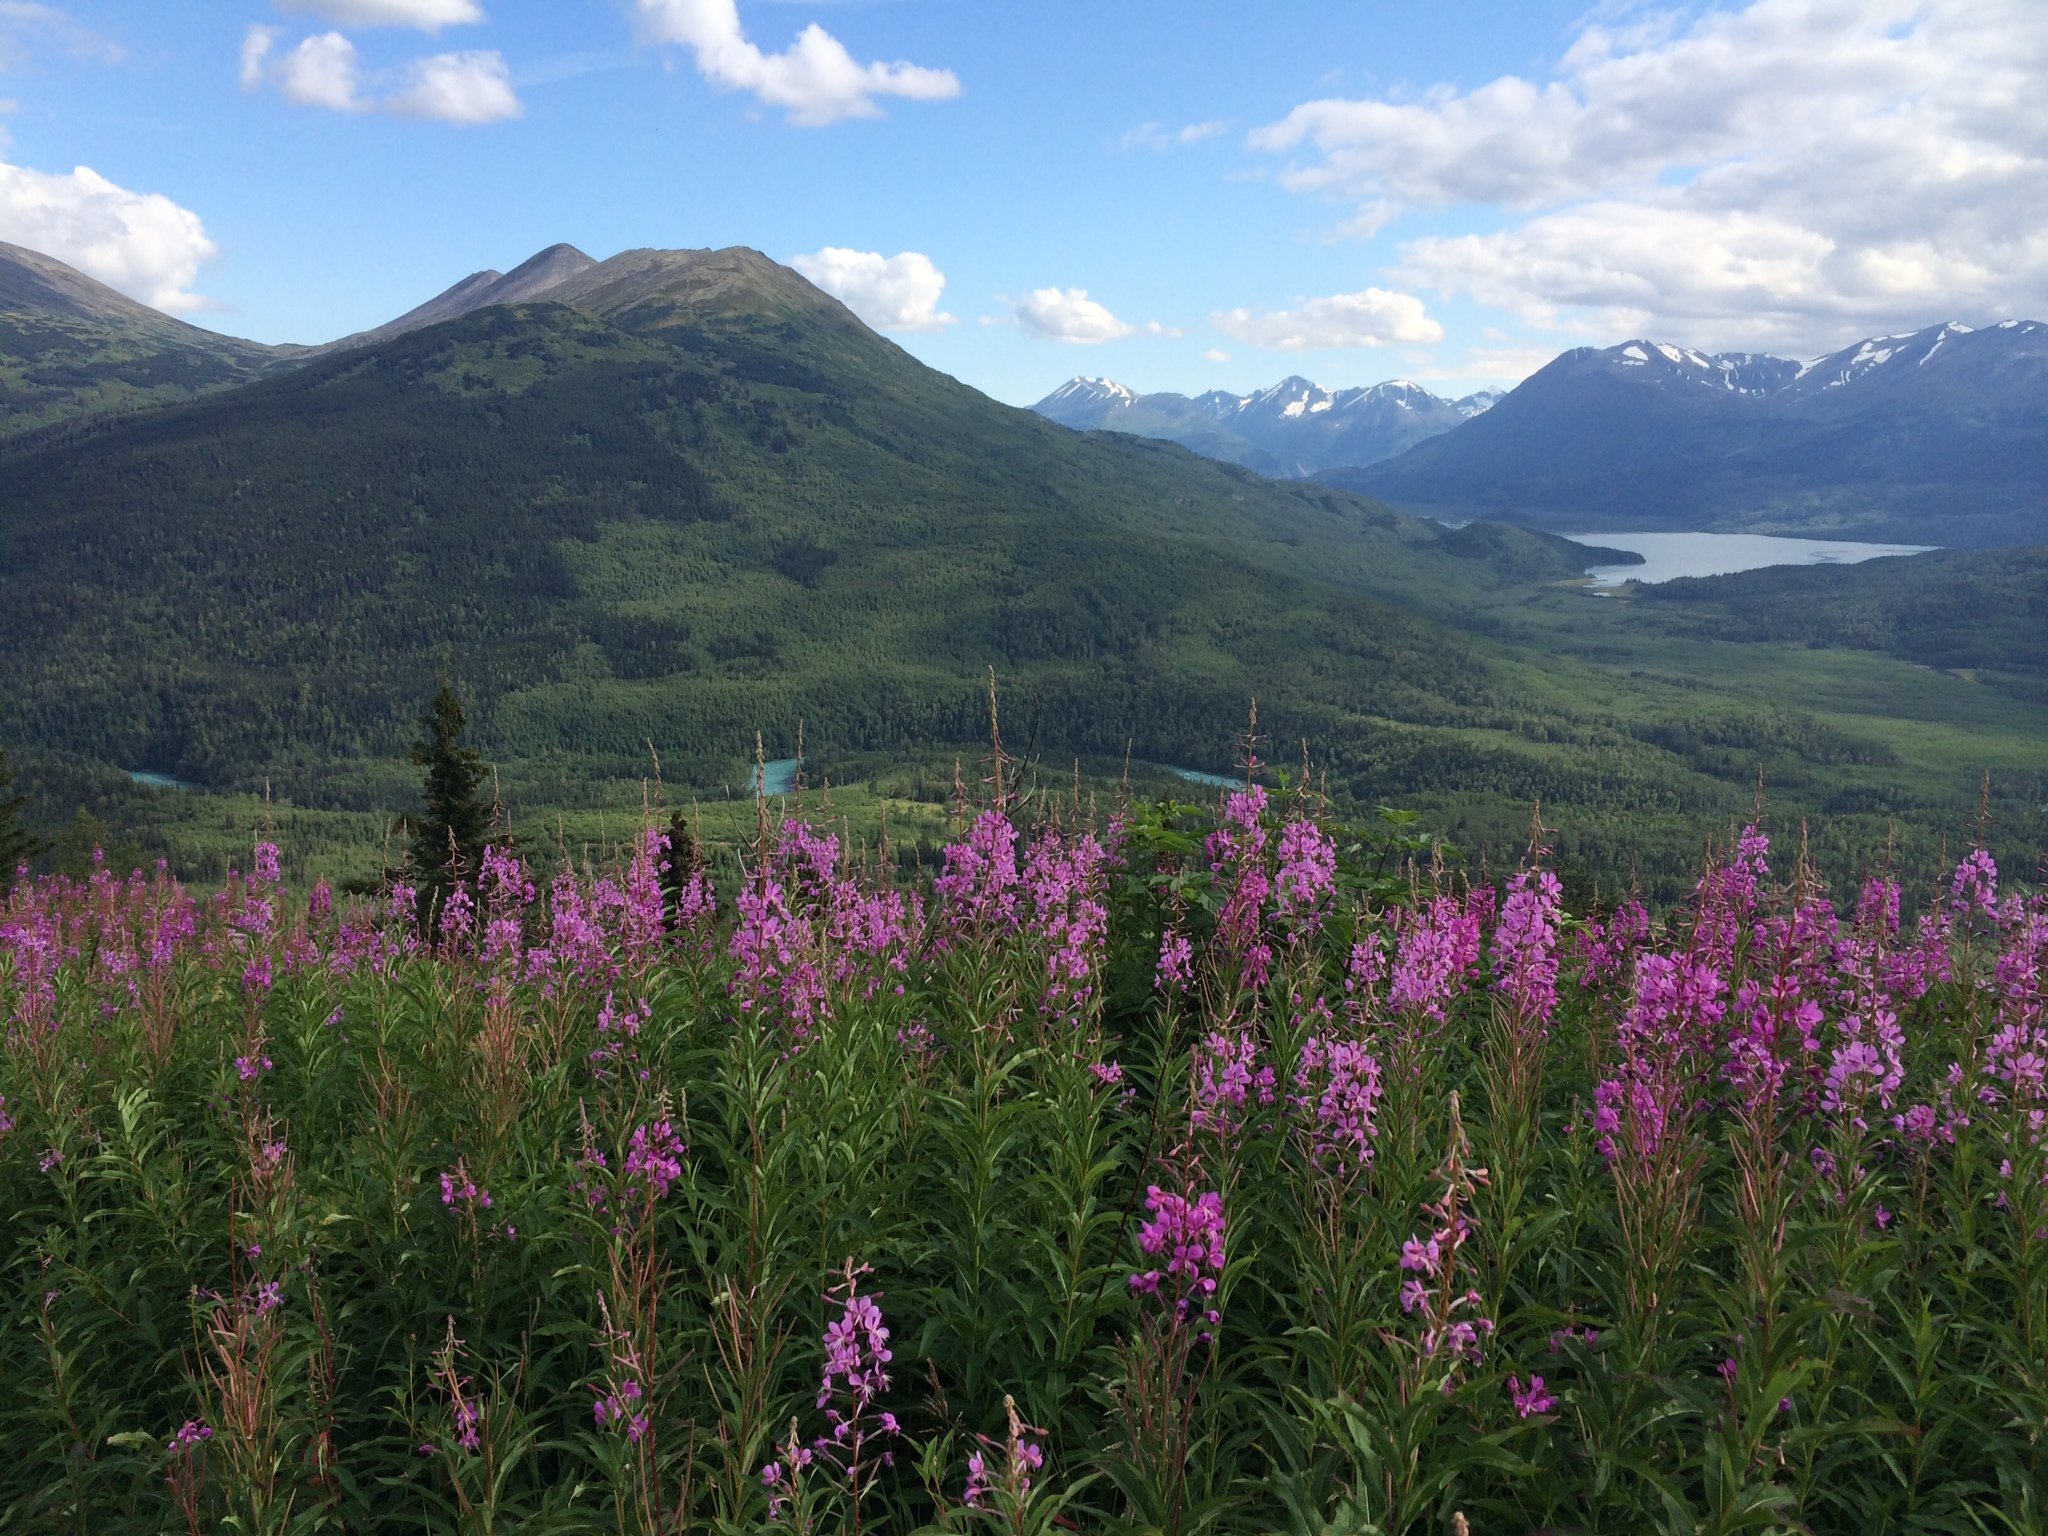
<point>1936,437</point>
<point>536,274</point>
<point>1289,431</point>
<point>678,496</point>
<point>70,346</point>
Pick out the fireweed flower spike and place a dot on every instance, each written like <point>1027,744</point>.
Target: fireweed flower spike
<point>1189,1235</point>
<point>858,1434</point>
<point>1005,1488</point>
<point>1437,1292</point>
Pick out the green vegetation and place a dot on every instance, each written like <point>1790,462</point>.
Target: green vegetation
<point>1256,1176</point>
<point>448,837</point>
<point>17,844</point>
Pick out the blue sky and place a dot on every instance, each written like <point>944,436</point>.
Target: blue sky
<point>1176,195</point>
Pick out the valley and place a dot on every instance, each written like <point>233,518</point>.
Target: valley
<point>654,506</point>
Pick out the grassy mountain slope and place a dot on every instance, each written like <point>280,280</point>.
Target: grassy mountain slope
<point>70,347</point>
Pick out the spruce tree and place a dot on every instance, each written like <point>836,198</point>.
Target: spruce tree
<point>448,838</point>
<point>17,845</point>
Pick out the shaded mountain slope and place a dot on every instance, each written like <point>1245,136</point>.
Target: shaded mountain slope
<point>1940,437</point>
<point>70,346</point>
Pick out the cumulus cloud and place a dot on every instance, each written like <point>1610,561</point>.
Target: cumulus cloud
<point>1215,355</point>
<point>1372,317</point>
<point>1783,173</point>
<point>1068,314</point>
<point>320,72</point>
<point>891,293</point>
<point>427,15</point>
<point>141,243</point>
<point>470,87</point>
<point>815,80</point>
<point>324,71</point>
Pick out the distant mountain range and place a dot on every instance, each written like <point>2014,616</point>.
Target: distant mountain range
<point>1939,436</point>
<point>1290,431</point>
<point>1936,437</point>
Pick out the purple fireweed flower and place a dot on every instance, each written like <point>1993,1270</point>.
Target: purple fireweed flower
<point>1365,971</point>
<point>191,1434</point>
<point>1438,949</point>
<point>979,886</point>
<point>1307,874</point>
<point>1176,961</point>
<point>1532,1399</point>
<point>655,1157</point>
<point>1064,881</point>
<point>1228,1080</point>
<point>1336,1091</point>
<point>1975,886</point>
<point>1237,859</point>
<point>620,1410</point>
<point>1024,1458</point>
<point>459,1189</point>
<point>1525,944</point>
<point>1607,950</point>
<point>1189,1234</point>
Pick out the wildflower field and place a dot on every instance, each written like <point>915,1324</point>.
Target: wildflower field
<point>1224,1170</point>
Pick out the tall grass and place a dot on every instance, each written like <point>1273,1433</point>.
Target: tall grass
<point>1202,1171</point>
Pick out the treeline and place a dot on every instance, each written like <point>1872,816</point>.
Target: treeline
<point>1975,610</point>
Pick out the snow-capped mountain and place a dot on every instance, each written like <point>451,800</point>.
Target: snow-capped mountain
<point>1293,428</point>
<point>1938,435</point>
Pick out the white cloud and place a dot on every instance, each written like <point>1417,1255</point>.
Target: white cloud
<point>1157,136</point>
<point>427,15</point>
<point>815,79</point>
<point>891,293</point>
<point>257,44</point>
<point>457,88</point>
<point>28,27</point>
<point>141,243</point>
<point>1372,317</point>
<point>323,71</point>
<point>1215,355</point>
<point>1787,173</point>
<point>320,72</point>
<point>1068,314</point>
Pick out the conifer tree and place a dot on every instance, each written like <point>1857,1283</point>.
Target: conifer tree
<point>17,845</point>
<point>448,837</point>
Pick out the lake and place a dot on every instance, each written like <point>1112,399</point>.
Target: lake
<point>1667,556</point>
<point>158,780</point>
<point>1206,780</point>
